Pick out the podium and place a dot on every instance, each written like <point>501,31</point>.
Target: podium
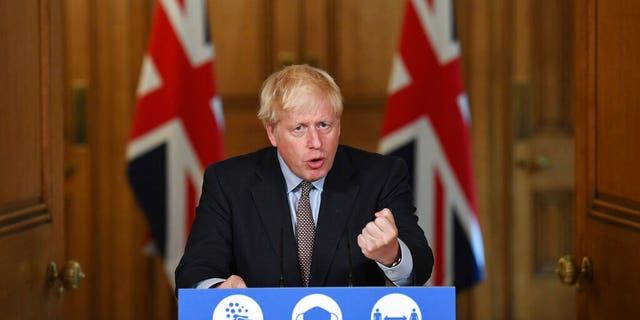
<point>349,303</point>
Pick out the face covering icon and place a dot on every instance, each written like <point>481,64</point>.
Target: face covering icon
<point>316,313</point>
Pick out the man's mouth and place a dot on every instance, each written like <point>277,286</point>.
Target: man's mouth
<point>315,163</point>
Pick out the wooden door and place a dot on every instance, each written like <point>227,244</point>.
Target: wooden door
<point>543,151</point>
<point>104,45</point>
<point>607,157</point>
<point>31,206</point>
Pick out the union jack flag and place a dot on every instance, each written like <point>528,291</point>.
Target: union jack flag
<point>177,126</point>
<point>427,123</point>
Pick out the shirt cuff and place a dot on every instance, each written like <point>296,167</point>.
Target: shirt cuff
<point>206,284</point>
<point>400,274</point>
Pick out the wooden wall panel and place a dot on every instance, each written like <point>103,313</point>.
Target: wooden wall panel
<point>105,44</point>
<point>77,187</point>
<point>551,239</point>
<point>543,172</point>
<point>31,208</point>
<point>485,52</point>
<point>552,65</point>
<point>608,196</point>
<point>361,123</point>
<point>109,117</point>
<point>124,273</point>
<point>287,24</point>
<point>365,43</point>
<point>318,33</point>
<point>243,131</point>
<point>617,102</point>
<point>485,300</point>
<point>21,105</point>
<point>240,32</point>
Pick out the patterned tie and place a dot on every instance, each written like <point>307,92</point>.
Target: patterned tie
<point>305,228</point>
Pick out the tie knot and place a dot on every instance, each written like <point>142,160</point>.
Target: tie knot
<point>306,187</point>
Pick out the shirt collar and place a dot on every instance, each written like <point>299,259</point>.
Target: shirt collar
<point>292,180</point>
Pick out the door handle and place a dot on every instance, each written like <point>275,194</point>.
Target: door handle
<point>70,277</point>
<point>569,273</point>
<point>533,165</point>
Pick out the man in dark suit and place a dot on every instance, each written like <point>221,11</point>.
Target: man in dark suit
<point>306,211</point>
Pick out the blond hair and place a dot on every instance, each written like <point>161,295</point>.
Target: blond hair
<point>280,90</point>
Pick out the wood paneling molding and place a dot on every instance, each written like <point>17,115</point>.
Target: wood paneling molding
<point>621,212</point>
<point>24,217</point>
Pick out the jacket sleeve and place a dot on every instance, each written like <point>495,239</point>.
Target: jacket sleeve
<point>208,252</point>
<point>398,197</point>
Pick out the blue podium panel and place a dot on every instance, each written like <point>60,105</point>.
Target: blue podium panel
<point>361,303</point>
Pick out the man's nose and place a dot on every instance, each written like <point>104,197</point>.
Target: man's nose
<point>313,138</point>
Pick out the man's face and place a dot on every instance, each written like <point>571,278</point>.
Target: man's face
<point>307,139</point>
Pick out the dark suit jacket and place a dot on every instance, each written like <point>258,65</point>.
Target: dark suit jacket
<point>243,222</point>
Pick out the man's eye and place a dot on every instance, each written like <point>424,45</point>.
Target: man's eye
<point>298,131</point>
<point>324,126</point>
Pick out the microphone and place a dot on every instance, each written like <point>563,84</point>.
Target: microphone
<point>350,276</point>
<point>281,257</point>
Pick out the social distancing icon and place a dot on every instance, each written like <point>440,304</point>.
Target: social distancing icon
<point>396,306</point>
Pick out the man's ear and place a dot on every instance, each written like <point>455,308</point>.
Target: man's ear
<point>271,133</point>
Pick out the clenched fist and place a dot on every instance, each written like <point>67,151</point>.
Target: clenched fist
<point>379,238</point>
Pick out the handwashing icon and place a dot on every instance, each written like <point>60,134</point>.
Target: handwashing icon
<point>237,307</point>
<point>317,313</point>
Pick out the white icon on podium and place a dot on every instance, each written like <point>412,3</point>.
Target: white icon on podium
<point>237,307</point>
<point>316,307</point>
<point>396,306</point>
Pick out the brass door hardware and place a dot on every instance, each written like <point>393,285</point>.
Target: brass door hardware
<point>70,277</point>
<point>569,274</point>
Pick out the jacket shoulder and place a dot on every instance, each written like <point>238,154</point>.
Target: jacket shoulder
<point>243,166</point>
<point>362,158</point>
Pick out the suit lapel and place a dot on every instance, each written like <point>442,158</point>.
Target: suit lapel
<point>338,196</point>
<point>271,203</point>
